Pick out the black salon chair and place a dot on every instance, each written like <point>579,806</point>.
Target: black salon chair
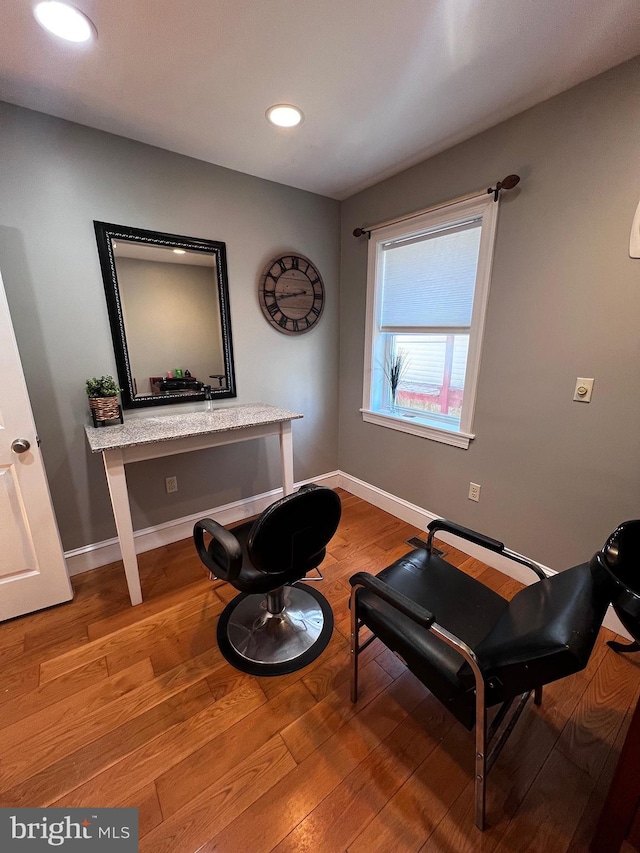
<point>620,559</point>
<point>472,648</point>
<point>276,625</point>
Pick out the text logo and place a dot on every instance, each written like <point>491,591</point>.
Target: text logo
<point>32,830</point>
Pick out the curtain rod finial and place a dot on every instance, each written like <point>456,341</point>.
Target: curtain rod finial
<point>359,232</point>
<point>507,183</point>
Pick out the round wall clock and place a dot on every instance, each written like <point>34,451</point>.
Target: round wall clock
<point>291,294</point>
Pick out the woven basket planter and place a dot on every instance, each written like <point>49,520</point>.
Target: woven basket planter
<point>104,408</point>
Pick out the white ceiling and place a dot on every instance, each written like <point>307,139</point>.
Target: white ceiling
<point>382,84</point>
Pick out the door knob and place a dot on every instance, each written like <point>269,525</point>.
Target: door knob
<point>20,445</point>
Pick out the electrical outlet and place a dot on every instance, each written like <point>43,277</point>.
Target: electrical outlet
<point>171,484</point>
<point>474,492</point>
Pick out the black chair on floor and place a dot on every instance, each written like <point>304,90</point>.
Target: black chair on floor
<point>471,647</point>
<point>620,559</point>
<point>276,625</point>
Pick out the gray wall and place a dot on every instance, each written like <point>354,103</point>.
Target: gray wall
<point>56,178</point>
<point>556,475</point>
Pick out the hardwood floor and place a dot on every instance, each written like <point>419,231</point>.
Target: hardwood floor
<point>102,704</point>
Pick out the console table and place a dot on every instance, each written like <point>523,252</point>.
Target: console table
<point>139,439</point>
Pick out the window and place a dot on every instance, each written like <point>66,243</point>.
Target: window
<point>426,301</point>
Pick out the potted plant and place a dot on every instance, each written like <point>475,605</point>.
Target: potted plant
<point>103,399</point>
<point>395,368</point>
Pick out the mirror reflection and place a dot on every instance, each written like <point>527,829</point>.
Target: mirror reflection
<point>168,306</point>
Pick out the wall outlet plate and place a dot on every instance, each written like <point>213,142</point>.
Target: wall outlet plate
<point>474,492</point>
<point>171,484</point>
<point>634,240</point>
<point>584,390</point>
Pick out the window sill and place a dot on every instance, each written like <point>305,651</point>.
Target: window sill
<point>418,426</point>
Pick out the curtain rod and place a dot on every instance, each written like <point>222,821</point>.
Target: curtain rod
<point>507,183</point>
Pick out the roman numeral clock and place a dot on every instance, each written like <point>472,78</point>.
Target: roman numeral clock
<point>291,294</point>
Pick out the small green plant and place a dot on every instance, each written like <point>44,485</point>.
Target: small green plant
<point>105,386</point>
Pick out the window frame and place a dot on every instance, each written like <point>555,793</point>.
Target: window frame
<point>486,209</point>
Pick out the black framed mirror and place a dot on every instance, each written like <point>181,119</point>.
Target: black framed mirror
<point>168,303</point>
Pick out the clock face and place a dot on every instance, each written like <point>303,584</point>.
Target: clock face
<point>291,294</point>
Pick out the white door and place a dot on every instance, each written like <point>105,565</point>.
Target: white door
<point>33,572</point>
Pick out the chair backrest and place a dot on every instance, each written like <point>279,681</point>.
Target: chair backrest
<point>620,556</point>
<point>548,629</point>
<point>620,559</point>
<point>293,532</point>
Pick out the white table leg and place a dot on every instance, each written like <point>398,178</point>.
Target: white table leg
<point>117,482</point>
<point>286,457</point>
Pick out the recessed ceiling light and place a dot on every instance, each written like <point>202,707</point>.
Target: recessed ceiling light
<point>64,21</point>
<point>284,115</point>
<point>179,251</point>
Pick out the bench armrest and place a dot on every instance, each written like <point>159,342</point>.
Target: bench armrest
<point>396,599</point>
<point>484,541</point>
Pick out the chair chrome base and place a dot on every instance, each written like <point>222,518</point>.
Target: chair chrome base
<point>276,633</point>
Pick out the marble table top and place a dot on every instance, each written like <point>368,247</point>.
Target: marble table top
<point>150,430</point>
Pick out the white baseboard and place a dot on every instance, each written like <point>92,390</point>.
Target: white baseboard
<point>99,554</point>
<point>405,511</point>
<point>419,517</point>
<point>102,553</point>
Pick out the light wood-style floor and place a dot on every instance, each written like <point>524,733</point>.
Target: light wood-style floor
<point>102,704</point>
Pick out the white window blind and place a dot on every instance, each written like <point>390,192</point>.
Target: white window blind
<point>429,280</point>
